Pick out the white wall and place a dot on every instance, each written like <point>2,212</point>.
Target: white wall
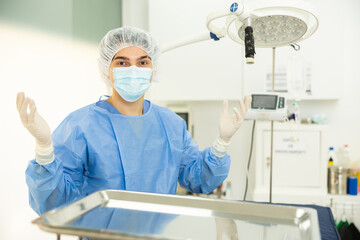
<point>203,71</point>
<point>344,114</point>
<point>61,76</point>
<point>135,13</point>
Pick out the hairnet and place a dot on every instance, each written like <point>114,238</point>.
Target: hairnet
<point>119,38</point>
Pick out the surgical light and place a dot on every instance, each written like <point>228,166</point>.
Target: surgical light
<point>265,23</point>
<point>262,24</point>
<point>275,30</point>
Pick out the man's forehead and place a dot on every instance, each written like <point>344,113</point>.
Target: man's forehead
<point>131,52</point>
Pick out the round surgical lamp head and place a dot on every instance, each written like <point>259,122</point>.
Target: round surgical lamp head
<point>276,23</point>
<point>269,23</point>
<point>274,30</point>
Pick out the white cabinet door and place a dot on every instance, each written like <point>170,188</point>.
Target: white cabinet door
<point>296,159</point>
<point>299,163</point>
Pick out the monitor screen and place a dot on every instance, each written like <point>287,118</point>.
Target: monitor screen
<point>264,102</point>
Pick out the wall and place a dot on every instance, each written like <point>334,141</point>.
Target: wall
<point>60,75</point>
<point>135,13</point>
<point>343,114</point>
<point>192,72</point>
<point>88,20</point>
<point>56,18</point>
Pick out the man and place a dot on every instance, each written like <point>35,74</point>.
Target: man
<point>123,142</point>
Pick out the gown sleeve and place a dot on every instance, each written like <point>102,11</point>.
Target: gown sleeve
<point>201,171</point>
<point>59,182</point>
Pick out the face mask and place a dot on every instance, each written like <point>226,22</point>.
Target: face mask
<point>131,82</point>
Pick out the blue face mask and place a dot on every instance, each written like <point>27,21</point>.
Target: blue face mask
<point>132,82</point>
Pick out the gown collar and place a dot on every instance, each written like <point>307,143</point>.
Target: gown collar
<point>104,104</point>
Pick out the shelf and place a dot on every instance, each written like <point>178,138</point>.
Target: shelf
<point>345,198</point>
<point>315,97</point>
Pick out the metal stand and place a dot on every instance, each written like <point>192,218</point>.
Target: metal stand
<point>272,125</point>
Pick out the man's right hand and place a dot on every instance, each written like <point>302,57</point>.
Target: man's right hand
<point>32,121</point>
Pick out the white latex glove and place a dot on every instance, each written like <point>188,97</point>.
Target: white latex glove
<point>32,121</point>
<point>37,127</point>
<point>230,123</point>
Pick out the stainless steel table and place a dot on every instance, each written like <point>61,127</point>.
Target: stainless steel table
<point>132,215</point>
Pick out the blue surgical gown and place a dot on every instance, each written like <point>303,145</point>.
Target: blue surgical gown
<point>97,148</point>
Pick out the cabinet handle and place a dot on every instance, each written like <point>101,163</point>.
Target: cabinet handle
<point>268,162</point>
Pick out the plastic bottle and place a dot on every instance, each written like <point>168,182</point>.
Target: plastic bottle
<point>331,156</point>
<point>358,176</point>
<point>344,160</point>
<point>296,76</point>
<point>346,155</point>
<point>296,111</point>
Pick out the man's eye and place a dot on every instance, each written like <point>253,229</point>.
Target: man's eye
<point>143,63</point>
<point>121,63</point>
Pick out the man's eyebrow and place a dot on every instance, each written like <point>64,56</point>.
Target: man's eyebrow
<point>143,57</point>
<point>127,59</point>
<point>123,58</point>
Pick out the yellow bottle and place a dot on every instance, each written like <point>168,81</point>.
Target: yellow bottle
<point>331,156</point>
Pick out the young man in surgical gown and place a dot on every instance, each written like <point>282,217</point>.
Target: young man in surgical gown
<point>124,142</point>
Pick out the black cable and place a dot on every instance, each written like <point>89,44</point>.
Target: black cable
<point>248,165</point>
